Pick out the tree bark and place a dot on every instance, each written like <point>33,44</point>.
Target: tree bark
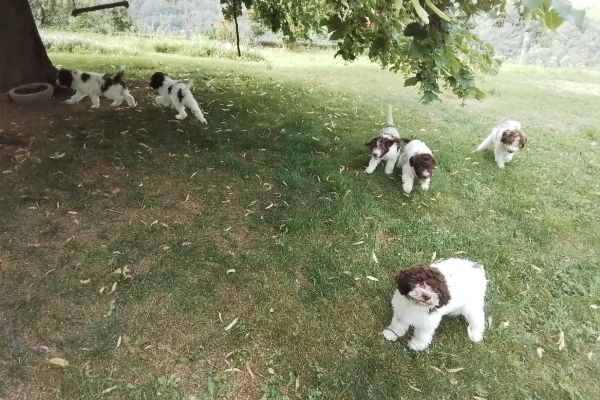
<point>23,58</point>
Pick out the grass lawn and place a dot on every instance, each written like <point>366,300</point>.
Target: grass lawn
<point>129,241</point>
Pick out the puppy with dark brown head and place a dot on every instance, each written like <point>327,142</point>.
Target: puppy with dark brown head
<point>417,161</point>
<point>506,139</point>
<point>426,293</point>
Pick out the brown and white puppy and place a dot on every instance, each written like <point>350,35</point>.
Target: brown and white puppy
<point>506,140</point>
<point>417,161</point>
<point>426,293</point>
<point>385,147</point>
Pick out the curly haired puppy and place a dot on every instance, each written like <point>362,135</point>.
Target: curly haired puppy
<point>417,161</point>
<point>506,140</point>
<point>428,292</point>
<point>172,93</point>
<point>385,147</point>
<point>95,85</point>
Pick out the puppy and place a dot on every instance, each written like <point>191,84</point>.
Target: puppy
<point>506,140</point>
<point>417,161</point>
<point>94,85</point>
<point>428,292</point>
<point>172,93</point>
<point>385,147</point>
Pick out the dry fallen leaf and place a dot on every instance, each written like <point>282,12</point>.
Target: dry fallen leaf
<point>231,324</point>
<point>271,371</point>
<point>374,257</point>
<point>118,342</point>
<point>414,388</point>
<point>372,278</point>
<point>59,362</point>
<point>594,306</point>
<point>230,271</point>
<point>433,256</point>
<point>436,369</point>
<point>478,398</point>
<point>114,287</point>
<point>453,370</point>
<point>561,341</point>
<point>249,370</point>
<point>108,390</point>
<point>85,281</point>
<point>540,352</point>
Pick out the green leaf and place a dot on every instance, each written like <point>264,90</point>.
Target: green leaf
<point>429,96</point>
<point>336,35</point>
<point>552,19</point>
<point>532,5</point>
<point>411,81</point>
<point>416,50</point>
<point>415,30</point>
<point>568,13</point>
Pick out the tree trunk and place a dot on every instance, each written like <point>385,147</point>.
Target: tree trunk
<point>23,58</point>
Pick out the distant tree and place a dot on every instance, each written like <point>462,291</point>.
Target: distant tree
<point>429,41</point>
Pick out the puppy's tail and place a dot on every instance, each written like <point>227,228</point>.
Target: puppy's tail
<point>118,78</point>
<point>390,118</point>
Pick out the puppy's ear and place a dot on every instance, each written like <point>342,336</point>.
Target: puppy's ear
<point>435,161</point>
<point>372,143</point>
<point>505,138</point>
<point>411,161</point>
<point>523,138</point>
<point>403,281</point>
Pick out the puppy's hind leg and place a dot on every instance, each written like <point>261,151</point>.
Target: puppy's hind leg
<point>95,101</point>
<point>129,98</point>
<point>476,319</point>
<point>181,110</point>
<point>193,105</point>
<point>117,101</point>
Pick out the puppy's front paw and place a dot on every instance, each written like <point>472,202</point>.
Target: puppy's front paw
<point>476,335</point>
<point>95,106</point>
<point>180,117</point>
<point>389,335</point>
<point>369,170</point>
<point>69,101</point>
<point>418,345</point>
<point>203,121</point>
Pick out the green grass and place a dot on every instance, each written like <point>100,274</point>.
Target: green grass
<point>273,188</point>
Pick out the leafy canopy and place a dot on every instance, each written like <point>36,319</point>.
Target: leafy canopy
<point>429,41</point>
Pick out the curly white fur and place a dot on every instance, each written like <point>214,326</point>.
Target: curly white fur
<point>503,152</point>
<point>414,147</point>
<point>172,93</point>
<point>466,283</point>
<point>94,85</point>
<point>379,153</point>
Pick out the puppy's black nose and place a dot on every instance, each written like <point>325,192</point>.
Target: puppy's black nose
<point>425,297</point>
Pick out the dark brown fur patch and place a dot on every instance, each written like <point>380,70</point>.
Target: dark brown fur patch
<point>524,139</point>
<point>422,163</point>
<point>383,143</point>
<point>511,136</point>
<point>420,274</point>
